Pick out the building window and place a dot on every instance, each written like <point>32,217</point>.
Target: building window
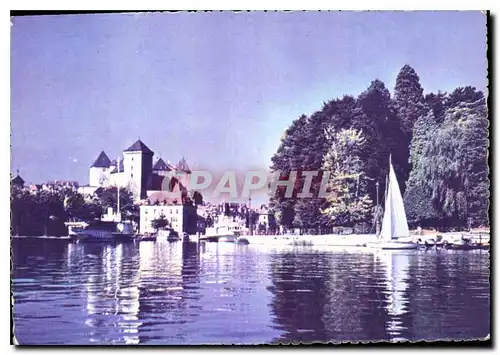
<point>131,175</point>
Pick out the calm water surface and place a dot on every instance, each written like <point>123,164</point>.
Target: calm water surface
<point>162,293</point>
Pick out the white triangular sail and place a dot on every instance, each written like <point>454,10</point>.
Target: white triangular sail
<point>394,224</point>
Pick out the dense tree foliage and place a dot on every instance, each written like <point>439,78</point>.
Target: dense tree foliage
<point>44,212</point>
<point>409,104</point>
<point>418,196</point>
<point>348,202</point>
<point>160,223</point>
<point>438,143</point>
<point>455,168</point>
<point>107,197</point>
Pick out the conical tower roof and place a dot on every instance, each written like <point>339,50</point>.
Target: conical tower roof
<point>102,161</point>
<point>139,146</point>
<point>182,166</point>
<point>161,165</point>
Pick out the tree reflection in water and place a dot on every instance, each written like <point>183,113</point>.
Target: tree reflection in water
<point>388,296</point>
<point>169,293</point>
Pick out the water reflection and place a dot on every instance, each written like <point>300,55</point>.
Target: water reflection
<point>396,265</point>
<point>388,295</point>
<point>169,293</point>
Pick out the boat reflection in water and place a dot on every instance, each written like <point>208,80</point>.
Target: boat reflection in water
<point>128,284</point>
<point>395,265</point>
<point>112,293</point>
<point>176,293</point>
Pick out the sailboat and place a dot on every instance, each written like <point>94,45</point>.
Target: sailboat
<point>395,233</point>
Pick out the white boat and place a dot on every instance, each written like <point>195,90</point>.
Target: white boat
<point>430,240</point>
<point>395,233</point>
<point>109,228</point>
<point>225,230</point>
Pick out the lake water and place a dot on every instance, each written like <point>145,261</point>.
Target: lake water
<point>164,293</point>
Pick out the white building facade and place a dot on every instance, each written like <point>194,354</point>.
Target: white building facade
<point>135,171</point>
<point>181,218</point>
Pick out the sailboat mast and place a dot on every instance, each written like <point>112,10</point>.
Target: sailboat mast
<point>118,188</point>
<point>387,177</point>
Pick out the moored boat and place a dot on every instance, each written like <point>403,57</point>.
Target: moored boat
<point>224,230</point>
<point>431,241</point>
<point>103,231</point>
<point>108,228</point>
<point>395,233</point>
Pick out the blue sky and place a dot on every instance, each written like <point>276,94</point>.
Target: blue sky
<point>217,88</point>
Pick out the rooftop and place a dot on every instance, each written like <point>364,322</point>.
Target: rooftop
<point>139,146</point>
<point>161,165</point>
<point>102,161</point>
<point>182,166</point>
<point>17,180</point>
<point>116,169</point>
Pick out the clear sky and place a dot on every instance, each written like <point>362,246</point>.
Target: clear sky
<point>217,88</point>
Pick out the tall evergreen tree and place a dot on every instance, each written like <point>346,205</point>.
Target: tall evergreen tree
<point>437,103</point>
<point>409,105</point>
<point>409,98</point>
<point>372,123</point>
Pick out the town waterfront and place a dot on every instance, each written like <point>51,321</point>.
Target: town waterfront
<point>224,293</point>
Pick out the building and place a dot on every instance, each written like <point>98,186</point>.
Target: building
<point>182,218</point>
<point>135,170</point>
<point>17,181</point>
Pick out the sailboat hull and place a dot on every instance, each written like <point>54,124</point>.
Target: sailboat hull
<point>393,245</point>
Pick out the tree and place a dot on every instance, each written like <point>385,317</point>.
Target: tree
<point>375,103</point>
<point>77,207</point>
<point>409,105</point>
<point>454,165</point>
<point>307,210</point>
<point>108,198</point>
<point>461,95</point>
<point>408,96</point>
<point>197,198</point>
<point>418,197</point>
<point>160,223</point>
<point>287,159</point>
<point>437,103</point>
<point>348,201</point>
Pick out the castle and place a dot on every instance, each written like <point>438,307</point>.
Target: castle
<point>135,171</point>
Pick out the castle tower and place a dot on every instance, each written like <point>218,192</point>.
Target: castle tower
<point>161,168</point>
<point>99,171</point>
<point>137,166</point>
<point>183,172</point>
